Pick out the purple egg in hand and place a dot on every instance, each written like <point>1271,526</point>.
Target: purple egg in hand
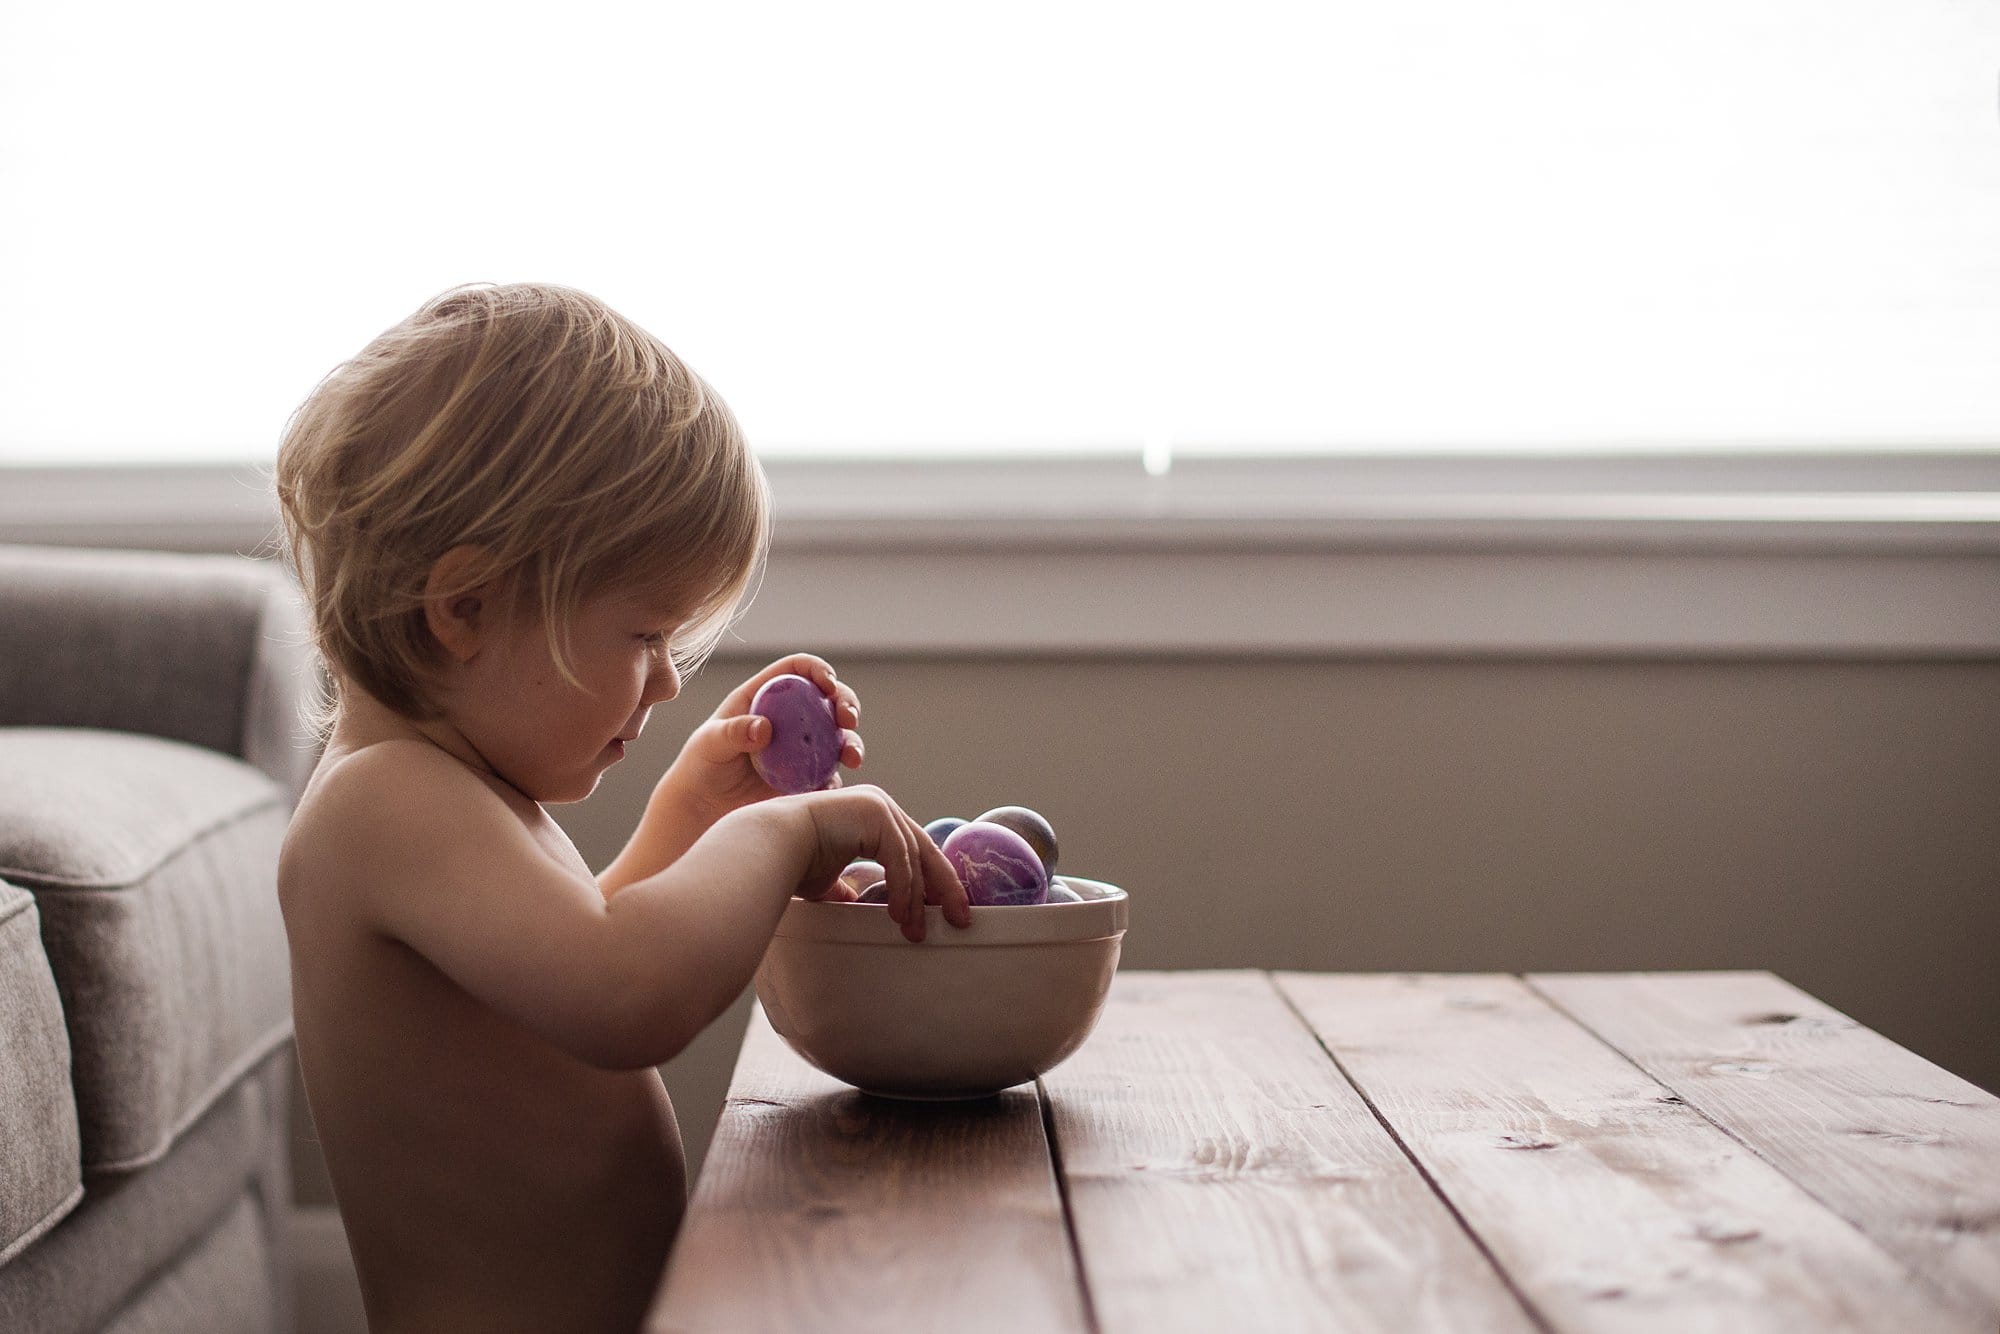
<point>804,749</point>
<point>996,865</point>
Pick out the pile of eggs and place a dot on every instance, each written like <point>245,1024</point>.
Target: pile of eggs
<point>1005,857</point>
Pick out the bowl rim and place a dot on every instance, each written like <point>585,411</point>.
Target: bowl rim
<point>1101,915</point>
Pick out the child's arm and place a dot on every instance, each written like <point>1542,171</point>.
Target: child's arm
<point>713,775</point>
<point>625,983</point>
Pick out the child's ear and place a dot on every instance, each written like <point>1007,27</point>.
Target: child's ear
<point>461,621</point>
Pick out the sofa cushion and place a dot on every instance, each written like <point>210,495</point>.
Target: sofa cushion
<point>224,642</point>
<point>154,866</point>
<point>40,1176</point>
<point>223,1284</point>
<point>98,1260</point>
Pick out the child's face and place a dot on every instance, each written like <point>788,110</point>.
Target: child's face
<point>549,739</point>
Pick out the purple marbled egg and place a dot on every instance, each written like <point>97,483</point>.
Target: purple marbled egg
<point>996,865</point>
<point>875,893</point>
<point>804,749</point>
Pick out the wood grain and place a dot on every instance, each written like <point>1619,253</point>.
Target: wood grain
<point>821,1208</point>
<point>1611,1204</point>
<point>1221,1174</point>
<point>1907,1152</point>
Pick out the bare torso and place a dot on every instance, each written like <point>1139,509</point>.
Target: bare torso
<point>487,1180</point>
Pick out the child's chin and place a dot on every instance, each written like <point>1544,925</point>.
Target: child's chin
<point>588,787</point>
<point>561,792</point>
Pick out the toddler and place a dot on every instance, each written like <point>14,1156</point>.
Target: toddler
<point>517,519</point>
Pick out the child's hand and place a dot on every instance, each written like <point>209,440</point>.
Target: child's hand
<point>855,822</point>
<point>713,773</point>
<point>713,776</point>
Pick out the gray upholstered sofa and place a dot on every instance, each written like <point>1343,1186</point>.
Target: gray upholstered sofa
<point>150,752</point>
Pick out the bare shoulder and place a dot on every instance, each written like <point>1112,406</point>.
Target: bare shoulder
<point>384,819</point>
<point>380,786</point>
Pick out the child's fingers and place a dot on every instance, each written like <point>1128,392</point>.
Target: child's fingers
<point>846,704</point>
<point>720,740</point>
<point>906,885</point>
<point>814,669</point>
<point>872,825</point>
<point>896,870</point>
<point>931,881</point>
<point>916,926</point>
<point>941,882</point>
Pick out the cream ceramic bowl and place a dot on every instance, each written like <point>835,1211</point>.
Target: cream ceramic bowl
<point>962,1014</point>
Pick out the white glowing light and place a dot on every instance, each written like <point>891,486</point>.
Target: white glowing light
<point>1045,227</point>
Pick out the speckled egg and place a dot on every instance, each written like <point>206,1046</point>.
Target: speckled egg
<point>861,874</point>
<point>1031,825</point>
<point>996,865</point>
<point>804,749</point>
<point>940,828</point>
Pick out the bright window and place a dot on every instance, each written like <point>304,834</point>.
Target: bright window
<point>1066,226</point>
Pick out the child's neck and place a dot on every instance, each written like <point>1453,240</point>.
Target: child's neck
<point>364,721</point>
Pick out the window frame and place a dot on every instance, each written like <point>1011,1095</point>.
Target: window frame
<point>1709,553</point>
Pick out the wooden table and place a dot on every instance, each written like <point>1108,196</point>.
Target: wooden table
<point>1311,1151</point>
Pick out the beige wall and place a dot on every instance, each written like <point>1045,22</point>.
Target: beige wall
<point>1836,822</point>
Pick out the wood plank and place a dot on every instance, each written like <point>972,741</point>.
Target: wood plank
<point>1222,1174</point>
<point>1611,1204</point>
<point>822,1208</point>
<point>1906,1151</point>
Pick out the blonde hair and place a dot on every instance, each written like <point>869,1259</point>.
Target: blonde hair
<point>537,424</point>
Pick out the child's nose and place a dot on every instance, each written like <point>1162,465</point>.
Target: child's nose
<point>664,682</point>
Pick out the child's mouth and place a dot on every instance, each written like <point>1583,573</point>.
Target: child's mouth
<point>617,748</point>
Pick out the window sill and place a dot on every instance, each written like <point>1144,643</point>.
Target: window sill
<point>1683,555</point>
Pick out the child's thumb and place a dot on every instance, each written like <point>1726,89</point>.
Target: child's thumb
<point>721,740</point>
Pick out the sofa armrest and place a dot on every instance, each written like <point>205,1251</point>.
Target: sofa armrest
<point>207,649</point>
